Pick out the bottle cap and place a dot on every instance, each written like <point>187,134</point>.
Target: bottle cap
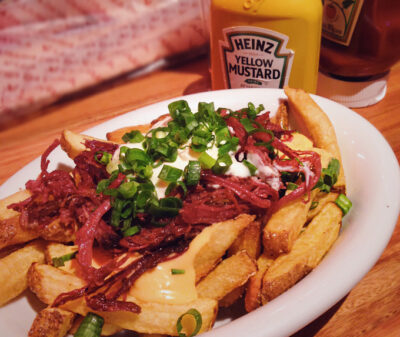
<point>352,94</point>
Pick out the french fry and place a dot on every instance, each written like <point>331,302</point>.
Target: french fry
<point>14,268</point>
<point>232,297</point>
<point>11,232</point>
<point>51,322</point>
<point>284,226</point>
<point>116,135</point>
<point>74,143</point>
<point>48,282</point>
<point>281,117</point>
<point>249,240</point>
<point>252,300</point>
<point>230,274</point>
<point>219,242</point>
<point>320,200</point>
<point>305,255</point>
<point>314,122</point>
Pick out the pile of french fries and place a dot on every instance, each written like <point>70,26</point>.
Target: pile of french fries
<point>244,259</point>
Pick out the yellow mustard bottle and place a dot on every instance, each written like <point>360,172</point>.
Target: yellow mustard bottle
<point>265,43</point>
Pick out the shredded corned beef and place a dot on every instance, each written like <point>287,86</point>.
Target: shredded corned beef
<point>69,198</point>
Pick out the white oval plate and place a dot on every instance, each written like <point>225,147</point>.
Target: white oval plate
<point>373,177</point>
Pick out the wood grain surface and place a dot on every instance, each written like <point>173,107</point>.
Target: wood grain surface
<point>372,308</point>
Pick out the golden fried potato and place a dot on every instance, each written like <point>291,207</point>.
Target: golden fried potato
<point>313,122</point>
<point>249,240</point>
<point>11,232</point>
<point>51,322</point>
<point>230,274</point>
<point>232,297</point>
<point>116,135</point>
<point>307,252</point>
<point>219,242</point>
<point>74,143</point>
<point>284,226</point>
<point>319,201</point>
<point>252,299</point>
<point>14,268</point>
<point>48,282</point>
<point>281,117</point>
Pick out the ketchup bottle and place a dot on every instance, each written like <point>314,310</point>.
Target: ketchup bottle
<point>360,42</point>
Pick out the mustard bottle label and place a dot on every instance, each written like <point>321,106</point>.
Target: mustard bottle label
<point>255,57</point>
<point>340,19</point>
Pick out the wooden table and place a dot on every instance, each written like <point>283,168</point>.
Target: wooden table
<point>372,308</point>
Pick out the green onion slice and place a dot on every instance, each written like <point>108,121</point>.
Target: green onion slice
<point>222,164</point>
<point>329,176</point>
<point>192,173</point>
<point>169,173</point>
<point>104,159</point>
<point>314,204</point>
<point>344,203</point>
<point>134,136</point>
<point>252,168</point>
<point>199,321</point>
<point>291,186</point>
<point>60,260</point>
<point>248,124</point>
<point>177,271</point>
<point>171,186</point>
<point>132,231</point>
<point>206,161</point>
<point>91,326</point>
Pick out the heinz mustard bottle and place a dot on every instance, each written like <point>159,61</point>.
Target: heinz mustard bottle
<point>265,43</point>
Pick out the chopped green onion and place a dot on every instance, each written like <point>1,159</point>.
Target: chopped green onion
<point>177,271</point>
<point>168,207</point>
<point>134,136</point>
<point>91,326</point>
<point>59,261</point>
<point>171,186</point>
<point>291,186</point>
<point>199,321</point>
<point>132,231</point>
<point>231,145</point>
<point>344,203</point>
<point>329,176</point>
<point>192,173</point>
<point>268,145</point>
<point>222,164</point>
<point>314,204</point>
<point>177,108</point>
<point>206,161</point>
<point>252,168</point>
<point>252,112</point>
<point>128,189</point>
<point>222,135</point>
<point>104,159</point>
<point>134,155</point>
<point>248,124</point>
<point>169,173</point>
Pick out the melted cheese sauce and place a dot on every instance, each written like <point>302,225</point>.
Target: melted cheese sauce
<point>302,143</point>
<point>161,286</point>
